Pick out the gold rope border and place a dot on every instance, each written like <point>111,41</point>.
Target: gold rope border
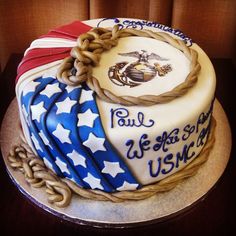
<point>60,190</point>
<point>88,52</point>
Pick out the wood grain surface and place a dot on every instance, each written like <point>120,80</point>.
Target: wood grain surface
<point>212,23</point>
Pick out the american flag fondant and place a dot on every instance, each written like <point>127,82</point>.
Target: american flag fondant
<point>63,122</point>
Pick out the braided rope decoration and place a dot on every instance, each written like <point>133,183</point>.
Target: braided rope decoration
<point>60,190</point>
<point>77,68</point>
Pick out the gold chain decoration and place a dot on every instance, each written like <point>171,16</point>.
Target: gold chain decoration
<point>38,175</point>
<point>77,68</point>
<point>59,190</point>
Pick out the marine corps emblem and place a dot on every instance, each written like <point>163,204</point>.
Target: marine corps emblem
<point>133,74</point>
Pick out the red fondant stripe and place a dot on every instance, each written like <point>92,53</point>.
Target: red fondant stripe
<point>41,56</point>
<point>70,31</point>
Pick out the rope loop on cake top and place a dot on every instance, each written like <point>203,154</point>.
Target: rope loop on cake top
<point>77,68</point>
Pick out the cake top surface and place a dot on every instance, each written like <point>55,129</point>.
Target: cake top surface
<point>142,67</point>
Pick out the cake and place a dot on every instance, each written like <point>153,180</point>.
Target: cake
<point>112,115</point>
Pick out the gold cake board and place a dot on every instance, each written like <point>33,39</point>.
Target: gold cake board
<point>129,213</point>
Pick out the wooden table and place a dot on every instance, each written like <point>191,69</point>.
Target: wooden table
<point>215,214</point>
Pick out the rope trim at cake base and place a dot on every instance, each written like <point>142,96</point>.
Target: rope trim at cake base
<point>77,68</point>
<point>60,190</point>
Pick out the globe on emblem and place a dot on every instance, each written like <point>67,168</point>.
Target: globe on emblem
<point>140,72</point>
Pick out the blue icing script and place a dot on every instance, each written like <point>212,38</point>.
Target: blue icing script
<point>171,161</point>
<point>121,117</point>
<point>140,24</point>
<point>166,140</point>
<point>81,152</point>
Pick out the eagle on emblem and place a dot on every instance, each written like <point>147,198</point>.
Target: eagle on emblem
<point>143,56</point>
<point>133,74</point>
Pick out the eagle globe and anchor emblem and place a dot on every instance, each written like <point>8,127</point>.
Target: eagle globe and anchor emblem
<point>133,74</point>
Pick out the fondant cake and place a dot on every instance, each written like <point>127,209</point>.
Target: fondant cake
<point>79,128</point>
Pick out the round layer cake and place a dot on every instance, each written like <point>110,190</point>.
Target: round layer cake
<point>109,146</point>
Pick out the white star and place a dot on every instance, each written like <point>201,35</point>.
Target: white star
<point>44,138</point>
<point>62,134</point>
<point>47,163</point>
<point>37,111</point>
<point>87,118</point>
<point>77,159</point>
<point>93,182</point>
<point>86,95</point>
<point>65,106</point>
<point>30,87</point>
<point>62,165</point>
<point>51,89</point>
<point>112,168</point>
<point>71,88</point>
<point>127,186</point>
<point>94,143</point>
<point>36,142</point>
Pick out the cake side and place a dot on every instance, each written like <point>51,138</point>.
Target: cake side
<point>160,140</point>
